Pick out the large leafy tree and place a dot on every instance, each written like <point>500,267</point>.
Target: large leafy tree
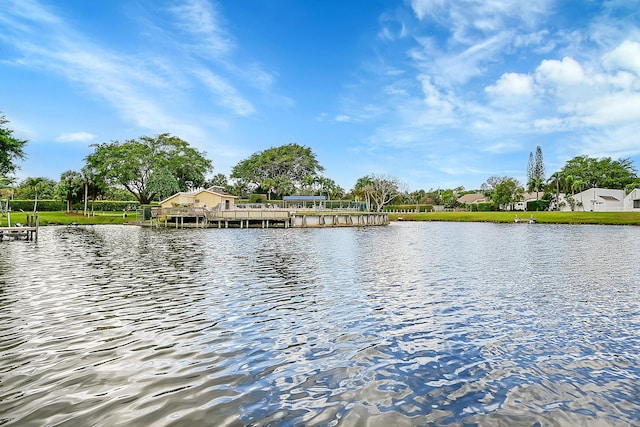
<point>378,190</point>
<point>70,187</point>
<point>278,170</point>
<point>593,172</point>
<point>11,149</point>
<point>150,166</point>
<point>503,190</point>
<point>35,188</point>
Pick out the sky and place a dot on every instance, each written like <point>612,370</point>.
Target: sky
<point>436,93</point>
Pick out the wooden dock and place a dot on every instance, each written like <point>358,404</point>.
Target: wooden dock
<point>21,232</point>
<point>261,218</point>
<point>18,233</point>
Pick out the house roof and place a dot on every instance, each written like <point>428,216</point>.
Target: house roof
<point>532,196</point>
<point>211,190</point>
<point>472,198</point>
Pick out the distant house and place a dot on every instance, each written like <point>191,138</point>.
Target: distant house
<point>603,200</point>
<point>526,198</point>
<point>469,199</point>
<point>210,198</point>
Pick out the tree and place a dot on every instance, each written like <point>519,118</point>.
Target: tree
<point>328,187</point>
<point>508,192</point>
<point>503,191</point>
<point>554,181</point>
<point>94,186</point>
<point>278,169</point>
<point>70,187</point>
<point>535,172</point>
<point>142,165</point>
<point>378,190</point>
<point>218,180</point>
<point>603,173</point>
<point>163,183</point>
<point>361,191</point>
<point>11,149</point>
<point>531,165</point>
<point>35,188</point>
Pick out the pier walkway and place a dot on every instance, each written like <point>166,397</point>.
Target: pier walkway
<point>260,218</point>
<point>19,231</point>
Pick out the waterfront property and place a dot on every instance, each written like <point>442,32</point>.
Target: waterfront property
<point>213,198</point>
<point>213,208</point>
<point>601,200</point>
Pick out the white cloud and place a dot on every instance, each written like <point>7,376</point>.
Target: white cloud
<point>565,72</point>
<point>625,57</point>
<point>512,85</point>
<point>76,137</point>
<point>552,124</point>
<point>611,109</point>
<point>433,98</point>
<point>199,18</point>
<point>343,118</point>
<point>226,94</point>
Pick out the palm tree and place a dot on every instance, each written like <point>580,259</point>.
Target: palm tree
<point>556,179</point>
<point>535,184</point>
<point>578,185</point>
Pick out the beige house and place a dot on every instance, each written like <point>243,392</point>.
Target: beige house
<point>210,198</point>
<point>469,199</point>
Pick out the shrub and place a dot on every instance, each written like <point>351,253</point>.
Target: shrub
<point>109,205</point>
<point>258,198</point>
<point>61,205</point>
<point>43,205</point>
<point>538,205</point>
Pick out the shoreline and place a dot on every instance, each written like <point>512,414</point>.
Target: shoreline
<point>543,217</point>
<point>584,218</point>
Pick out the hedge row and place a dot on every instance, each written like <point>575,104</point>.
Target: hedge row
<point>61,205</point>
<point>43,205</point>
<point>482,207</point>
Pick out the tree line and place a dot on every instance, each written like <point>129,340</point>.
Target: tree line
<point>151,168</point>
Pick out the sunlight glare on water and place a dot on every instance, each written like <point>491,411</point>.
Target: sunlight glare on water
<point>410,324</point>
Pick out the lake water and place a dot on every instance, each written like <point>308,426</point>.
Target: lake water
<point>409,324</point>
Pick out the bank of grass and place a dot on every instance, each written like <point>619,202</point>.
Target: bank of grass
<point>602,218</point>
<point>67,218</point>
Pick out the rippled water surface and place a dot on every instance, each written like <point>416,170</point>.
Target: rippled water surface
<point>410,324</point>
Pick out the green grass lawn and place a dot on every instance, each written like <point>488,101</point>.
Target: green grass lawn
<point>66,218</point>
<point>614,218</point>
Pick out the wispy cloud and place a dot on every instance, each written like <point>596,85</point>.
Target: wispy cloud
<point>200,20</point>
<point>225,94</point>
<point>494,77</point>
<point>76,137</point>
<point>144,87</point>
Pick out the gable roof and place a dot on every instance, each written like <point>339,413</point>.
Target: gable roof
<point>211,190</point>
<point>472,198</point>
<point>532,196</point>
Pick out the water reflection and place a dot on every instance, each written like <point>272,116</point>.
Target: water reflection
<point>411,324</point>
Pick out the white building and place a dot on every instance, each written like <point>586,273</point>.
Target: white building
<point>602,200</point>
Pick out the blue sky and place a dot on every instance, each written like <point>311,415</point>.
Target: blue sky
<point>437,93</point>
